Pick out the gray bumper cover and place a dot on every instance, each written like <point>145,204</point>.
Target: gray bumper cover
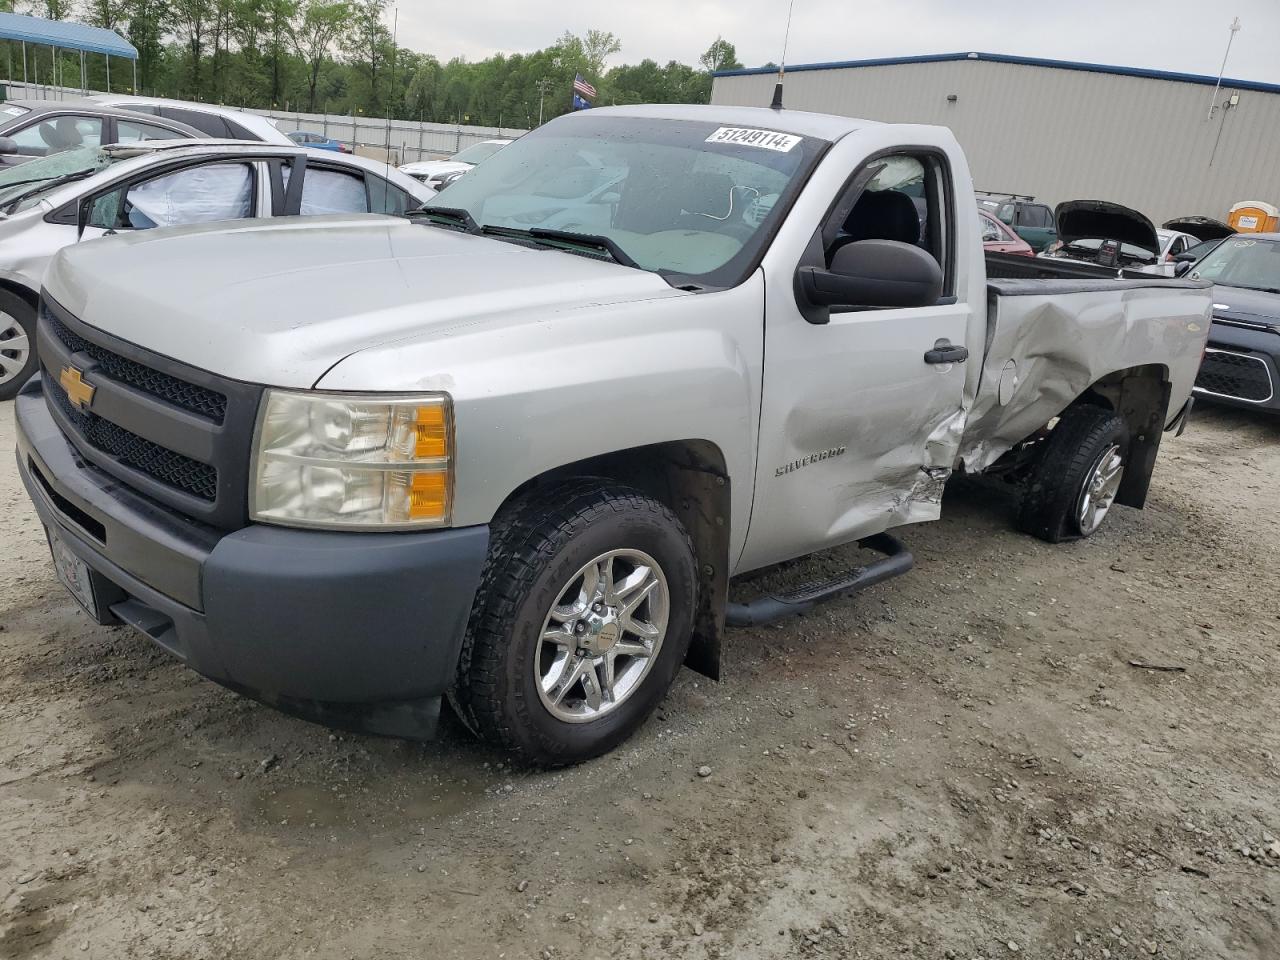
<point>359,630</point>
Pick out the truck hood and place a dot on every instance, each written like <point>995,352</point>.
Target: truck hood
<point>1249,306</point>
<point>1202,228</point>
<point>1104,220</point>
<point>279,302</point>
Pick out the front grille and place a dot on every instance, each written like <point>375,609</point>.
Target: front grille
<point>173,469</point>
<point>188,396</point>
<point>1235,375</point>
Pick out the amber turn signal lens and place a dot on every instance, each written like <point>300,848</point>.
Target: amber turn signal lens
<point>428,496</point>
<point>431,434</point>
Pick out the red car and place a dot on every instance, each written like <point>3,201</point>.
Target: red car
<point>997,238</point>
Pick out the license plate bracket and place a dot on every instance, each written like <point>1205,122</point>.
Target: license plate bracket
<point>76,576</point>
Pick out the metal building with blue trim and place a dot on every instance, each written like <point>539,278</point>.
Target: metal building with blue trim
<point>1060,130</point>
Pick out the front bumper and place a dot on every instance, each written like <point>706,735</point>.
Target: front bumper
<point>1241,368</point>
<point>357,630</point>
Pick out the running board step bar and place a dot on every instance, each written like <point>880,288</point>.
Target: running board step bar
<point>773,607</point>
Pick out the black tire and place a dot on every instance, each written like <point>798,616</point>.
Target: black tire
<point>536,544</point>
<point>16,314</point>
<point>1052,497</point>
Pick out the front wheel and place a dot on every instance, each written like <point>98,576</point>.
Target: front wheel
<point>1076,480</point>
<point>582,621</point>
<point>17,344</point>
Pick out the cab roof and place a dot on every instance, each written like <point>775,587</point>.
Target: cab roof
<point>822,126</point>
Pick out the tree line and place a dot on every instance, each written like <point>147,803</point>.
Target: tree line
<point>340,57</point>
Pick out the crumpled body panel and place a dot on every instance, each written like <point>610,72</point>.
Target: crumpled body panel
<point>1063,337</point>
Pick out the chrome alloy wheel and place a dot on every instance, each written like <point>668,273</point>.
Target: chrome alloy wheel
<point>15,348</point>
<point>602,636</point>
<point>1100,488</point>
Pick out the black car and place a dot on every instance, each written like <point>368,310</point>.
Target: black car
<point>38,128</point>
<point>1242,363</point>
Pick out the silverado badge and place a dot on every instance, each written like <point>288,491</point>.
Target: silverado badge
<point>78,392</point>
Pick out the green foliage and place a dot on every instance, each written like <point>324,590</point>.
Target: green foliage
<point>339,56</point>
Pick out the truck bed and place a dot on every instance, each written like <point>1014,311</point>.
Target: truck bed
<point>1055,329</point>
<point>1004,266</point>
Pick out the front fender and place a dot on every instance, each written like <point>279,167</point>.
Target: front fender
<point>571,385</point>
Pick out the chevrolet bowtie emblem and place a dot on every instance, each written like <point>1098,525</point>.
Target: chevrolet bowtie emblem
<point>78,392</point>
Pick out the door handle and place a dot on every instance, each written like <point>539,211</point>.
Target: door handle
<point>944,351</point>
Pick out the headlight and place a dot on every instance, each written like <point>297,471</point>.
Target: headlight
<point>355,462</point>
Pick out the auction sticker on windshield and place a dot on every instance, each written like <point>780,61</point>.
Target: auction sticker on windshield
<point>746,137</point>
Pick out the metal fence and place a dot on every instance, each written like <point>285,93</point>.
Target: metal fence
<point>408,140</point>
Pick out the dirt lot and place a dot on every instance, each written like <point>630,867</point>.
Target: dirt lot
<point>959,763</point>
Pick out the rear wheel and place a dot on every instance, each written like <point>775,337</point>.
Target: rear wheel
<point>1074,484</point>
<point>582,621</point>
<point>17,343</point>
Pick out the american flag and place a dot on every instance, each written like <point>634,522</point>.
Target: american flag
<point>581,86</point>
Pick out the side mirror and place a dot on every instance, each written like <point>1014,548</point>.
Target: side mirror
<point>7,146</point>
<point>874,273</point>
<point>1182,267</point>
<point>1186,258</point>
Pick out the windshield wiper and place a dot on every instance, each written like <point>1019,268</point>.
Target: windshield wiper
<point>590,244</point>
<point>450,217</point>
<point>43,184</point>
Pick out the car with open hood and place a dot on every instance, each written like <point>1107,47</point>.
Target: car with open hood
<point>1107,234</point>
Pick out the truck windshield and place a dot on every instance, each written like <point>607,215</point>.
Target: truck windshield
<point>1244,262</point>
<point>678,198</point>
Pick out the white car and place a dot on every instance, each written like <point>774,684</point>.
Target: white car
<point>440,173</point>
<point>214,121</point>
<point>53,202</point>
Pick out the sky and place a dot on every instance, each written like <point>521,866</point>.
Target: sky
<point>1188,36</point>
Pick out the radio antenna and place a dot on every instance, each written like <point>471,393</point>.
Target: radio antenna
<point>395,32</point>
<point>782,67</point>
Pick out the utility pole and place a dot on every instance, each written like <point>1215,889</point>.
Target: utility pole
<point>1213,104</point>
<point>543,85</point>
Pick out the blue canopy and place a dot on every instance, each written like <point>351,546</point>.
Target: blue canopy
<point>65,35</point>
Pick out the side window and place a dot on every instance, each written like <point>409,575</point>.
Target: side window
<point>1038,216</point>
<point>58,134</point>
<point>237,132</point>
<point>105,212</point>
<point>217,191</point>
<point>207,123</point>
<point>329,191</point>
<point>990,232</point>
<point>387,198</point>
<point>906,200</point>
<point>131,131</point>
<point>1006,214</point>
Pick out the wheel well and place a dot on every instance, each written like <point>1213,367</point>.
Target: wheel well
<point>1141,396</point>
<point>18,290</point>
<point>691,479</point>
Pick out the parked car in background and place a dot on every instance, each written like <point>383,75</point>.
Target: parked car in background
<point>214,121</point>
<point>1202,228</point>
<point>997,238</point>
<point>438,174</point>
<point>53,202</point>
<point>1106,234</point>
<point>318,141</point>
<point>37,128</point>
<point>1033,222</point>
<point>1242,362</point>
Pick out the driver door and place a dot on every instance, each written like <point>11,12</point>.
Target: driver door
<point>859,429</point>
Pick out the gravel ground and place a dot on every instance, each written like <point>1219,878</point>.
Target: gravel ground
<point>960,763</point>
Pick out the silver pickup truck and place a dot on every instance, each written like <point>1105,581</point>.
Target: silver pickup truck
<point>512,451</point>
